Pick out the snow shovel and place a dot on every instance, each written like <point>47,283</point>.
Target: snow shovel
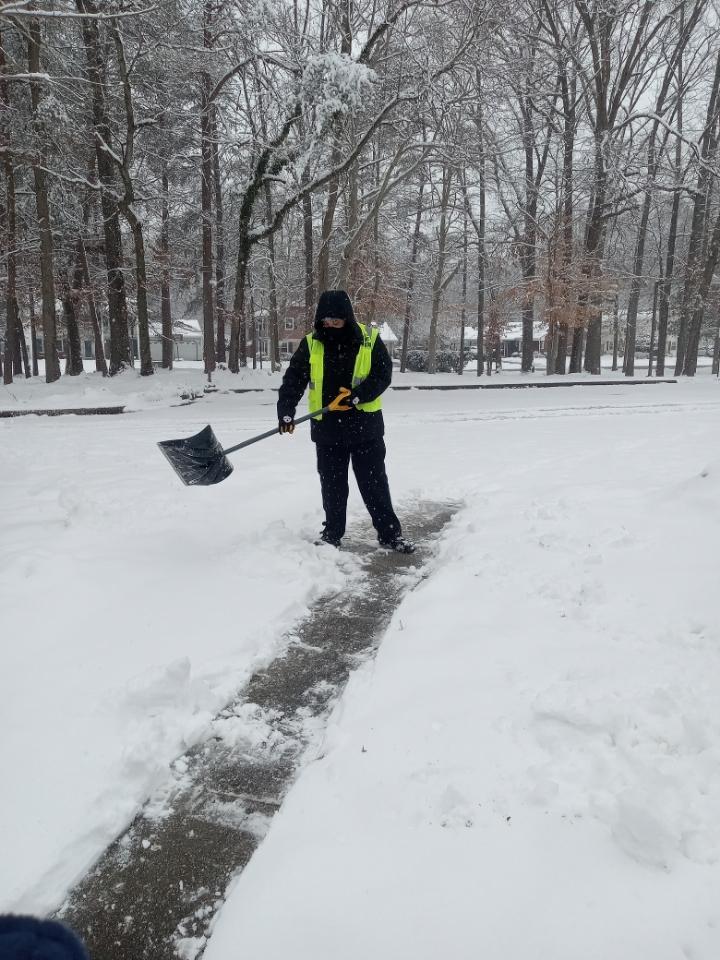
<point>200,460</point>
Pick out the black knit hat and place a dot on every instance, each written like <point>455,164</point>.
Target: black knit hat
<point>334,303</point>
<point>22,938</point>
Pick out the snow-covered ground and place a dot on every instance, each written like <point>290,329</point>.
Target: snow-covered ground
<point>187,379</point>
<point>531,766</point>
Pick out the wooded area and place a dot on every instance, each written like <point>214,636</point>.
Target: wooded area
<point>449,163</point>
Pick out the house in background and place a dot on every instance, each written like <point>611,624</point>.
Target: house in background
<point>388,337</point>
<point>187,336</point>
<point>642,333</point>
<point>291,330</point>
<point>187,340</point>
<point>511,339</point>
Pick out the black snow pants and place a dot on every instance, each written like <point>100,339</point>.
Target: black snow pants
<point>368,461</point>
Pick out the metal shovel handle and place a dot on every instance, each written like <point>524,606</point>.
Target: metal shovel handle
<point>272,433</point>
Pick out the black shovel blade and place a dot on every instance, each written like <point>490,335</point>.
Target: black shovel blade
<point>199,461</point>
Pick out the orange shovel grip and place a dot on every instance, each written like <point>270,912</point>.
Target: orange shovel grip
<point>337,403</point>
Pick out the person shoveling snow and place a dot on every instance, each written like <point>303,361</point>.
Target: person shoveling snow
<point>342,352</point>
<point>346,422</point>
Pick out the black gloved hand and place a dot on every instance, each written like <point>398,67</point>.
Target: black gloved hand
<point>286,424</point>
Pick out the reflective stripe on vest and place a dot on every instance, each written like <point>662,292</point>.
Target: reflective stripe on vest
<point>363,363</point>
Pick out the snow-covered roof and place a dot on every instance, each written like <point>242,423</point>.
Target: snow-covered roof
<point>189,327</point>
<point>514,331</point>
<point>386,333</point>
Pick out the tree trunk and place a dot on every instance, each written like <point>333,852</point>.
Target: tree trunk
<point>576,350</point>
<point>666,286</point>
<point>569,94</point>
<point>146,365</point>
<point>480,225</point>
<point>33,332</point>
<point>481,265</point>
<point>411,275</point>
<point>696,320</point>
<point>334,186</point>
<point>693,267</point>
<point>47,279</point>
<point>560,365</point>
<point>19,346</point>
<point>20,340</point>
<point>551,347</point>
<point>253,331</point>
<point>309,261</point>
<point>206,177</point>
<point>81,280</point>
<point>593,340</point>
<point>272,286</point>
<point>10,336</point>
<point>220,306</point>
<point>11,322</point>
<point>553,307</point>
<point>117,302</point>
<point>323,270</point>
<point>168,344</point>
<point>376,250</point>
<point>72,313</point>
<point>625,337</point>
<point>480,362</point>
<point>73,358</point>
<point>308,250</point>
<point>616,333</point>
<point>238,335</point>
<point>100,362</point>
<point>461,363</point>
<point>438,281</point>
<point>528,254</point>
<point>637,281</point>
<point>653,328</point>
<point>346,277</point>
<point>716,350</point>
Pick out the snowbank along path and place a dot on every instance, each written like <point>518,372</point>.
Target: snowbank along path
<point>157,888</point>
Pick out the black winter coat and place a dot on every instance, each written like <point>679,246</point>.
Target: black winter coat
<point>353,427</point>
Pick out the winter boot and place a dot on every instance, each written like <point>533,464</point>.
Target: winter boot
<point>399,545</point>
<point>327,538</point>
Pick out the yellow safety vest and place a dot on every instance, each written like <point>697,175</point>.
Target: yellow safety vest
<point>363,363</point>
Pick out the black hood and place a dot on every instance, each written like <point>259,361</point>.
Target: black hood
<point>336,303</point>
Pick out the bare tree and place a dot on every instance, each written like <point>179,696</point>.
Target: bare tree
<point>42,202</point>
<point>96,70</point>
<point>128,205</point>
<point>653,154</point>
<point>410,283</point>
<point>11,317</point>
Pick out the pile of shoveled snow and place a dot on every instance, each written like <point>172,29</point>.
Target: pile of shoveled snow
<point>531,767</point>
<point>91,390</point>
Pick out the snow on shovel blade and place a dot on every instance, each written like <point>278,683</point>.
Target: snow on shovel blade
<point>199,460</point>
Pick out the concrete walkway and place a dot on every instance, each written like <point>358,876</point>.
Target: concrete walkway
<point>154,892</point>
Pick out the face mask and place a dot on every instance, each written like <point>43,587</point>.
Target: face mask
<point>333,335</point>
